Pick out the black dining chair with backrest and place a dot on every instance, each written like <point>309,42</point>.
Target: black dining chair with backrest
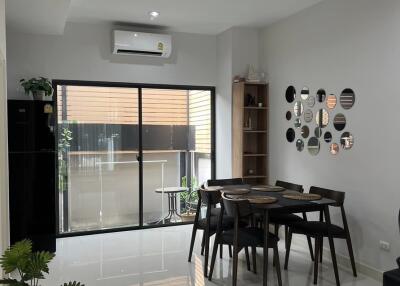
<point>398,259</point>
<point>210,198</point>
<point>221,183</point>
<point>392,277</point>
<point>286,219</point>
<point>241,237</point>
<point>215,210</point>
<point>320,229</point>
<point>208,224</point>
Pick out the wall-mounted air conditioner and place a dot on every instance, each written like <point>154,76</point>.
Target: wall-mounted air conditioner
<point>142,44</point>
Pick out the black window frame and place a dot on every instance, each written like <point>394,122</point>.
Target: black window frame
<point>139,86</point>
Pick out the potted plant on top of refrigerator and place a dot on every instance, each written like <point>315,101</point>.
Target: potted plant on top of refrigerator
<point>40,88</point>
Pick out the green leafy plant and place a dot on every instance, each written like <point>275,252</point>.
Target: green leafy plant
<point>189,196</point>
<point>65,139</point>
<point>34,85</point>
<point>30,266</point>
<point>74,283</point>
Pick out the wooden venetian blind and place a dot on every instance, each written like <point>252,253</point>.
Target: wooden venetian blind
<point>200,118</point>
<point>114,105</point>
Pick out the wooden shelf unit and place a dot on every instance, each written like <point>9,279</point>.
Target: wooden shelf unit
<point>250,133</point>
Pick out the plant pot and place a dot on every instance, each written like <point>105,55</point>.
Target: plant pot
<point>188,216</point>
<point>41,95</point>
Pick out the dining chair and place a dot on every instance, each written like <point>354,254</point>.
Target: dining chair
<point>320,229</point>
<point>398,259</point>
<point>223,182</point>
<point>286,219</point>
<point>242,237</point>
<point>208,224</point>
<point>215,210</point>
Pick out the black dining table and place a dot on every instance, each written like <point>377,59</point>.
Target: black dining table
<point>285,205</point>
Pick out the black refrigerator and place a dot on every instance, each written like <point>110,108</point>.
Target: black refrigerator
<point>32,173</point>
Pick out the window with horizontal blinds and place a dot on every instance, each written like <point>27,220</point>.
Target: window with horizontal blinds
<point>200,118</point>
<point>112,105</point>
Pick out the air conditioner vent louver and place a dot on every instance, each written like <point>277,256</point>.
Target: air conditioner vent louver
<point>133,52</point>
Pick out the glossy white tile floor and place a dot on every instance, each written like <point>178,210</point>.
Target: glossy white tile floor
<point>159,257</point>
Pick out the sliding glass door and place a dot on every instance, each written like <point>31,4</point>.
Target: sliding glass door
<point>130,155</point>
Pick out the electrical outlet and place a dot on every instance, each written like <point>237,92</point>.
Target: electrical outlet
<point>384,245</point>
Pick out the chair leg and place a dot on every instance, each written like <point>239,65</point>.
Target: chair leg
<point>213,257</point>
<point>288,249</point>
<point>276,232</point>
<point>310,248</point>
<point>286,236</point>
<point>203,242</point>
<point>230,250</point>
<point>207,249</point>
<point>246,250</point>
<point>192,242</point>
<point>235,265</point>
<point>254,254</point>
<point>351,254</point>
<point>221,249</point>
<point>321,250</point>
<point>317,250</point>
<point>277,265</point>
<point>334,262</point>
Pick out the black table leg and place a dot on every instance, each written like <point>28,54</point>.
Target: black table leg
<point>331,245</point>
<point>265,254</point>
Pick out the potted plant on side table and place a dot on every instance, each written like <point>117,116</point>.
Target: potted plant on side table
<point>40,88</point>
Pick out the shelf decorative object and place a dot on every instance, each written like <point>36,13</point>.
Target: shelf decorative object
<point>250,132</point>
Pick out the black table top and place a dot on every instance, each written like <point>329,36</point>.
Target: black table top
<point>284,204</point>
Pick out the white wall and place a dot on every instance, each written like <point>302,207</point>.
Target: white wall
<point>84,53</point>
<point>237,48</point>
<point>223,104</point>
<point>335,45</point>
<point>3,134</point>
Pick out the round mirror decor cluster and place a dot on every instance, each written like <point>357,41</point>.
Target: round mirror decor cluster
<point>313,112</point>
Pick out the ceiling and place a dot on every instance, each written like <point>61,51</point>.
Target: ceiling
<point>193,16</point>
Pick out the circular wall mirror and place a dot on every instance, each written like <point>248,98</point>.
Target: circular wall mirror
<point>334,148</point>
<point>313,146</point>
<point>290,135</point>
<point>322,118</point>
<point>299,145</point>
<point>305,131</point>
<point>297,123</point>
<point>318,132</point>
<point>321,95</point>
<point>311,101</point>
<point>288,115</point>
<point>290,94</point>
<point>308,115</point>
<point>347,140</point>
<point>328,137</point>
<point>347,98</point>
<point>331,101</point>
<point>339,122</point>
<point>305,92</point>
<point>298,108</point>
